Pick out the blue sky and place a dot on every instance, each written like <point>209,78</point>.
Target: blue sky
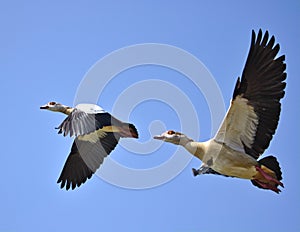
<point>47,48</point>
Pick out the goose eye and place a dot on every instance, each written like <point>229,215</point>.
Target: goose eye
<point>52,103</point>
<point>170,132</point>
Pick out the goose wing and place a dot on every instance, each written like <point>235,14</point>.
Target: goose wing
<point>253,116</point>
<point>85,158</point>
<point>79,123</point>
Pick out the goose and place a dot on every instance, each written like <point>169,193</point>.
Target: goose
<point>249,124</point>
<point>96,134</point>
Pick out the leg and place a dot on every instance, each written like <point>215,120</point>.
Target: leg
<point>268,177</point>
<point>266,186</point>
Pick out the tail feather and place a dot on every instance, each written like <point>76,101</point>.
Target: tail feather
<point>272,163</point>
<point>133,131</point>
<point>271,168</point>
<point>129,131</point>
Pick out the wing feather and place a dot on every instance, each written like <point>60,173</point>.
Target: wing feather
<point>85,158</point>
<point>79,123</point>
<point>253,116</point>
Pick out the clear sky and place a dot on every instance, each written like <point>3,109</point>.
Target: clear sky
<point>48,47</point>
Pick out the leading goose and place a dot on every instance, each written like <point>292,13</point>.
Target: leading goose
<point>249,124</point>
<point>96,134</point>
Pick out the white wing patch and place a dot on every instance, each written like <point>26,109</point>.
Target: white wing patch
<point>239,125</point>
<point>90,108</point>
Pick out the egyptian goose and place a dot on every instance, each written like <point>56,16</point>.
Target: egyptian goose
<point>249,124</point>
<point>96,134</point>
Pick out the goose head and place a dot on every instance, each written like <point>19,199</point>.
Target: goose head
<point>174,137</point>
<point>55,106</point>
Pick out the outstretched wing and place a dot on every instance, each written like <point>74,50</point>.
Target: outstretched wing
<point>85,158</point>
<point>79,122</point>
<point>253,116</point>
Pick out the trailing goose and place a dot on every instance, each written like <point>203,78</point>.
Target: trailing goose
<point>249,124</point>
<point>96,134</point>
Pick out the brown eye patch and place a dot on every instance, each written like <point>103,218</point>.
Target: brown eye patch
<point>171,132</point>
<point>52,103</point>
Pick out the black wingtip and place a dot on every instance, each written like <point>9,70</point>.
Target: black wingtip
<point>260,38</point>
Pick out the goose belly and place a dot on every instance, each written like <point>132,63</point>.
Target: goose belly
<point>230,162</point>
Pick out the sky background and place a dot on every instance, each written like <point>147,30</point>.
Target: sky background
<point>47,47</point>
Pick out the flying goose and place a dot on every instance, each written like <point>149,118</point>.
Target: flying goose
<point>250,121</point>
<point>96,134</point>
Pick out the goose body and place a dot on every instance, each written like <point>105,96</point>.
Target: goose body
<point>96,134</point>
<point>249,124</point>
<point>230,162</point>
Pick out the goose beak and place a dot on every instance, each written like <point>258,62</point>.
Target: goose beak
<point>159,137</point>
<point>44,107</point>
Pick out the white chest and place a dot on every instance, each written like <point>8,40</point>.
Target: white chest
<point>229,162</point>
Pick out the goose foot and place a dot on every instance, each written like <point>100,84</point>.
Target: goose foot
<point>204,169</point>
<point>268,177</point>
<point>266,186</point>
<point>195,172</point>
